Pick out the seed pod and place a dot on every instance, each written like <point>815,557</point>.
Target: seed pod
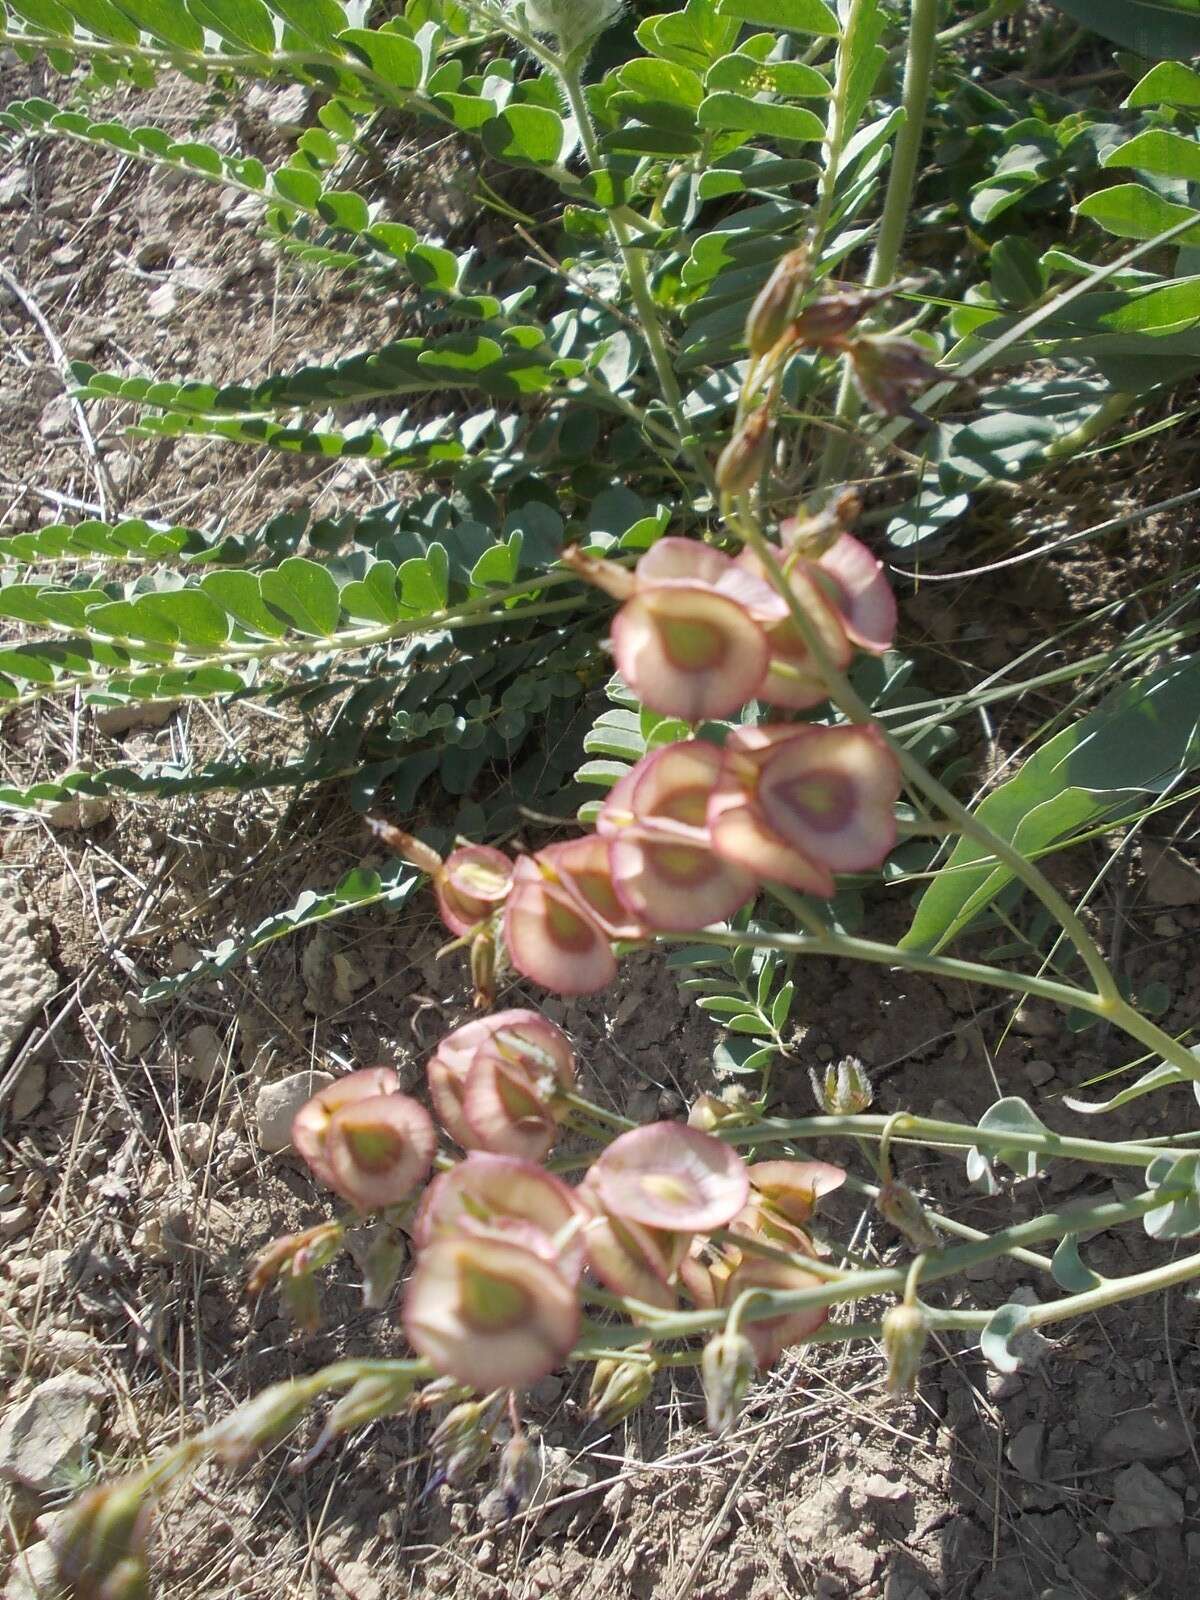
<point>904,1211</point>
<point>258,1423</point>
<point>740,464</point>
<point>618,1388</point>
<point>99,1548</point>
<point>826,320</point>
<point>890,371</point>
<point>904,1335</point>
<point>770,316</point>
<point>727,1368</point>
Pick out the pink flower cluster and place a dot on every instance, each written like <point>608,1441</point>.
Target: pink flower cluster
<point>693,830</point>
<point>503,1245</point>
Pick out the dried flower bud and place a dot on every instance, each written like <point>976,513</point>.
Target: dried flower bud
<point>904,1211</point>
<point>99,1548</point>
<point>727,1368</point>
<point>904,1334</point>
<point>462,1441</point>
<point>845,1089</point>
<point>740,464</point>
<point>294,1254</point>
<point>770,316</point>
<point>301,1298</point>
<point>518,1474</point>
<point>618,1388</point>
<point>483,968</point>
<point>408,848</point>
<point>889,371</point>
<point>826,320</point>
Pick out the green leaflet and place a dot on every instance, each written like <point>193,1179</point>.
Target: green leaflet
<point>1141,737</point>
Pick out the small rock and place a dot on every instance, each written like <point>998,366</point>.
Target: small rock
<point>180,1226</point>
<point>138,1036</point>
<point>1038,1072</point>
<point>183,957</point>
<point>195,1142</point>
<point>1167,926</point>
<point>1025,1449</point>
<point>877,1487</point>
<point>277,1104</point>
<point>285,109</point>
<point>348,979</point>
<point>29,1092</point>
<point>901,1586</point>
<point>153,252</point>
<point>1155,1433</point>
<point>1171,879</point>
<point>116,720</point>
<point>58,283</point>
<point>48,1430</point>
<point>55,420</point>
<point>80,812</point>
<point>1036,1020</point>
<point>14,185</point>
<point>14,1220</point>
<point>355,1580</point>
<point>205,1056</point>
<point>31,1576</point>
<point>1140,1500</point>
<point>163,301</point>
<point>67,255</point>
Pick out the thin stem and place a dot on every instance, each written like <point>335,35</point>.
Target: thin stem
<point>1110,1294</point>
<point>639,284</point>
<point>838,131</point>
<point>893,220</point>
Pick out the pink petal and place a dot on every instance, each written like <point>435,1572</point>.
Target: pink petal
<point>504,1111</point>
<point>770,1336</point>
<point>673,885</point>
<point>793,680</point>
<point>378,1150</point>
<point>667,1175</point>
<point>311,1122</point>
<point>551,940</point>
<point>865,597</point>
<point>520,1030</point>
<point>740,836</point>
<point>493,1315</point>
<point>585,872</point>
<point>689,652</point>
<point>831,793</point>
<point>471,884</point>
<point>793,1188</point>
<point>688,561</point>
<point>495,1192</point>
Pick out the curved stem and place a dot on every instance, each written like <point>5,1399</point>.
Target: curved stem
<point>893,220</point>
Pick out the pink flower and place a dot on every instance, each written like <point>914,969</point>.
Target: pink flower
<point>366,1143</point>
<point>506,1198</point>
<point>798,804</point>
<point>491,1082</point>
<point>470,885</point>
<point>489,1312</point>
<point>549,935</point>
<point>654,823</point>
<point>669,1176</point>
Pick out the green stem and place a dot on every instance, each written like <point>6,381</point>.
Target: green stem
<point>996,12</point>
<point>837,129</point>
<point>633,261</point>
<point>893,220</point>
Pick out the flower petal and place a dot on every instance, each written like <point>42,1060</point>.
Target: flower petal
<point>864,595</point>
<point>378,1150</point>
<point>793,1188</point>
<point>673,884</point>
<point>493,1192</point>
<point>831,792</point>
<point>667,1175</point>
<point>471,884</point>
<point>311,1122</point>
<point>551,940</point>
<point>770,1336</point>
<point>689,652</point>
<point>493,1315</point>
<point>582,866</point>
<point>741,836</point>
<point>504,1110</point>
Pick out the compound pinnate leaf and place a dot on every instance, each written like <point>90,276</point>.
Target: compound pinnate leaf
<point>525,136</point>
<point>395,58</point>
<point>738,113</point>
<point>241,22</point>
<point>796,16</point>
<point>241,596</point>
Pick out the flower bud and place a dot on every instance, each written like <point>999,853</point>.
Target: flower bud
<point>294,1255</point>
<point>770,316</point>
<point>301,1298</point>
<point>258,1423</point>
<point>889,371</point>
<point>618,1388</point>
<point>408,848</point>
<point>740,464</point>
<point>483,968</point>
<point>376,1396</point>
<point>845,1089</point>
<point>826,320</point>
<point>904,1334</point>
<point>99,1548</point>
<point>727,1367</point>
<point>461,1442</point>
<point>904,1211</point>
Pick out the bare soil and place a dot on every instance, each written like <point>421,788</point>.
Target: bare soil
<point>137,1189</point>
